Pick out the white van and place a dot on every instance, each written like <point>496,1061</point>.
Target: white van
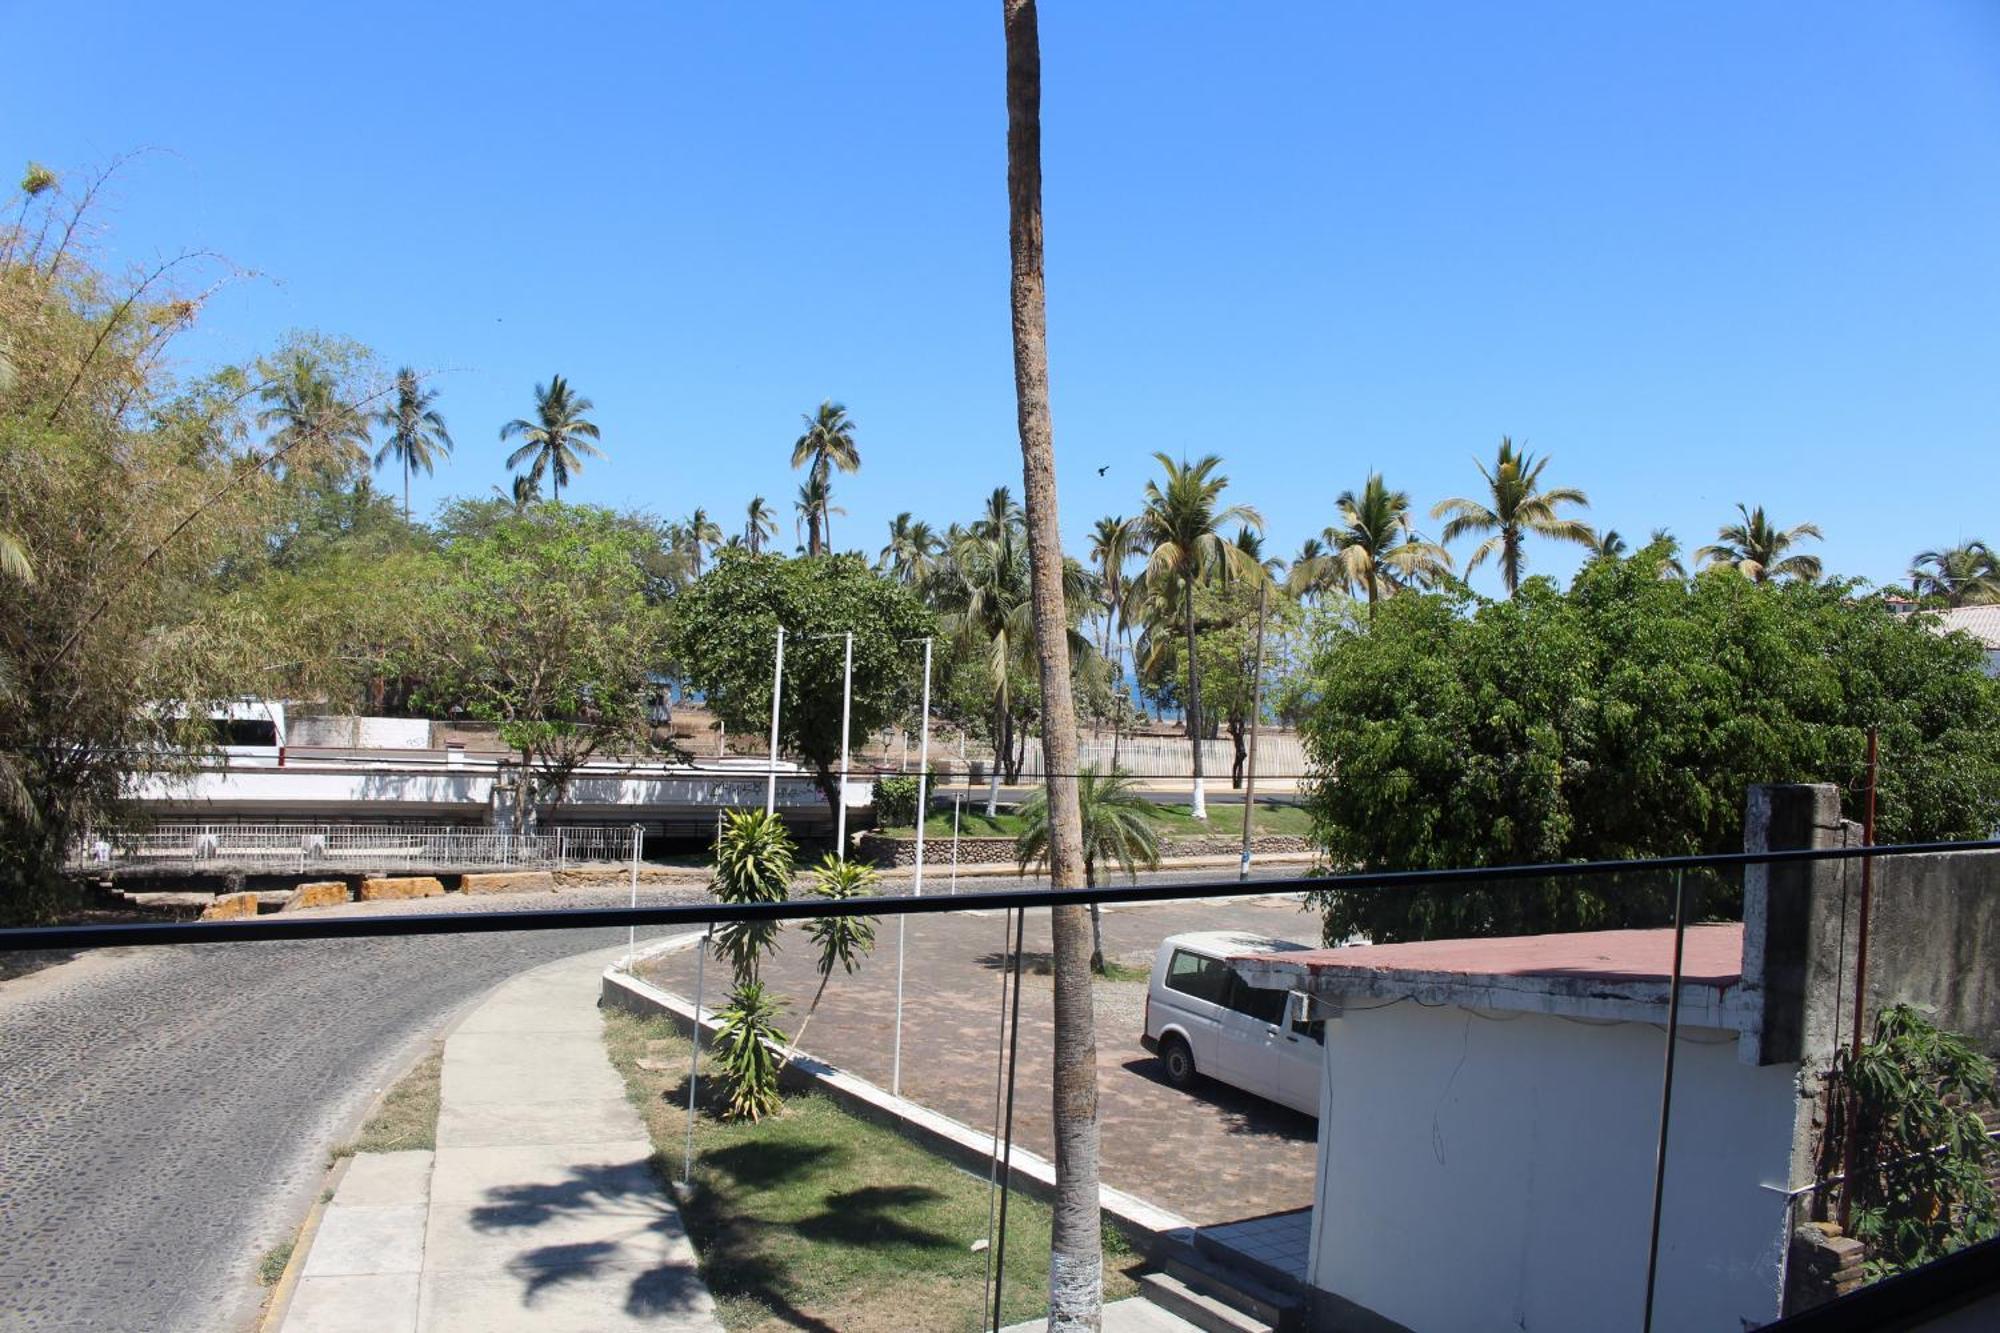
<point>1202,1019</point>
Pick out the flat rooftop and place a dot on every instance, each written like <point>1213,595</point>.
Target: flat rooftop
<point>1607,973</point>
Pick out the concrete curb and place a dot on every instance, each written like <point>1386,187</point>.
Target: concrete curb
<point>279,1303</point>
<point>1142,1222</point>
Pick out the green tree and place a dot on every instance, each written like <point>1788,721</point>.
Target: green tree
<point>726,624</point>
<point>417,434</point>
<point>1377,548</point>
<point>911,555</point>
<point>1625,718</point>
<point>753,864</point>
<point>1181,529</point>
<point>553,442</point>
<point>844,940</point>
<point>315,425</point>
<point>1515,508</point>
<point>542,624</point>
<point>760,524</point>
<point>747,1045</point>
<point>1118,830</point>
<point>828,443</point>
<point>700,533</point>
<point>1755,548</point>
<point>1964,575</point>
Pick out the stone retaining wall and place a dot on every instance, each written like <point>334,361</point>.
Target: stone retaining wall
<point>878,850</point>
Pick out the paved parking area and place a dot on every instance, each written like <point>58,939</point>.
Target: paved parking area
<point>1212,1156</point>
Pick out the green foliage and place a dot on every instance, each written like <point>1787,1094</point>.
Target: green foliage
<point>843,941</point>
<point>753,864</point>
<point>1625,718</point>
<point>1922,1158</point>
<point>1118,825</point>
<point>896,801</point>
<point>725,628</point>
<point>747,1043</point>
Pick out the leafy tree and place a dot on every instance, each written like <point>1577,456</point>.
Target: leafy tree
<point>551,443</point>
<point>828,443</point>
<point>1755,548</point>
<point>1964,575</point>
<point>1922,1184</point>
<point>726,624</point>
<point>1376,548</point>
<point>1117,828</point>
<point>1181,529</point>
<point>760,525</point>
<point>542,624</point>
<point>417,434</point>
<point>1515,508</point>
<point>315,423</point>
<point>1623,719</point>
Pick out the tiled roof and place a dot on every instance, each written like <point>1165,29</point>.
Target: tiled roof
<point>1713,957</point>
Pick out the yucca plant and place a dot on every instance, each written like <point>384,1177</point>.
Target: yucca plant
<point>747,1042</point>
<point>843,940</point>
<point>753,864</point>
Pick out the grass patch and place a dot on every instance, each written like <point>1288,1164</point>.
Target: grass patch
<point>1172,821</point>
<point>408,1116</point>
<point>813,1218</point>
<point>272,1266</point>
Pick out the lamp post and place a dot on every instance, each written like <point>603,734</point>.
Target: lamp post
<point>777,694</point>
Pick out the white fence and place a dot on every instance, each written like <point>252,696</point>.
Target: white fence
<point>303,847</point>
<point>1280,757</point>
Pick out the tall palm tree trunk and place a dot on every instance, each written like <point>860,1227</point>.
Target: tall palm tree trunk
<point>406,486</point>
<point>1198,807</point>
<point>1076,1256</point>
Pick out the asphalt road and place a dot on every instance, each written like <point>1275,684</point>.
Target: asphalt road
<point>166,1114</point>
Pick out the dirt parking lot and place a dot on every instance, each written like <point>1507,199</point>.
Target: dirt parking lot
<point>1212,1156</point>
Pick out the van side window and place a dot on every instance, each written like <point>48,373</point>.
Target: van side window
<point>1203,978</point>
<point>1267,1006</point>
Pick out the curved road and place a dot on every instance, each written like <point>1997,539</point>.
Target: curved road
<point>166,1114</point>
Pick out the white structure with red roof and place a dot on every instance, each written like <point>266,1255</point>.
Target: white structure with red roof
<point>1488,1126</point>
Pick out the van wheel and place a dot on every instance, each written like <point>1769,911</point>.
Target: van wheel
<point>1179,1060</point>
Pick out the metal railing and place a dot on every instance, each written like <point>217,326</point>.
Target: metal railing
<point>297,847</point>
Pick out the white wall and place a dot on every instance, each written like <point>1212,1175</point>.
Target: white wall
<point>1495,1171</point>
<point>361,733</point>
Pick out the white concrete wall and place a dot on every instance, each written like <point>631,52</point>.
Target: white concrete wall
<point>361,733</point>
<point>1489,1171</point>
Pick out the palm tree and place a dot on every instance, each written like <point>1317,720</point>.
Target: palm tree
<point>700,531</point>
<point>912,553</point>
<point>828,443</point>
<point>1182,528</point>
<point>1608,545</point>
<point>1516,509</point>
<point>417,436</point>
<point>813,506</point>
<point>1376,548</point>
<point>1755,548</point>
<point>1076,1254</point>
<point>557,435</point>
<point>761,524</point>
<point>1964,575</point>
<point>316,427</point>
<point>1117,827</point>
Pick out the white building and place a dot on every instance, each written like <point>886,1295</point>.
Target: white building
<point>1488,1127</point>
<point>1981,622</point>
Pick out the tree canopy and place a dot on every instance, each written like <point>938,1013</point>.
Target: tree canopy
<point>725,628</point>
<point>1624,718</point>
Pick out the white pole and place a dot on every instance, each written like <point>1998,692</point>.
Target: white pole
<point>777,693</point>
<point>632,932</point>
<point>694,1074</point>
<point>923,809</point>
<point>846,708</point>
<point>957,806</point>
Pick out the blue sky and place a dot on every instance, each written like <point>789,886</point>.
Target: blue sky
<point>1698,253</point>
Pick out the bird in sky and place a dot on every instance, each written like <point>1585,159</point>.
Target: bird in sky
<point>1106,468</point>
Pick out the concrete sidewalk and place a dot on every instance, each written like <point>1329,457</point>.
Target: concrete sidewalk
<point>538,1210</point>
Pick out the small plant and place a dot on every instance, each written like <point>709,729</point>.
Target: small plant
<point>1117,827</point>
<point>747,1042</point>
<point>753,864</point>
<point>272,1266</point>
<point>895,801</point>
<point>843,940</point>
<point>1921,1156</point>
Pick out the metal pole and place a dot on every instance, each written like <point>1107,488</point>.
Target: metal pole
<point>1007,1151</point>
<point>846,707</point>
<point>694,1076</point>
<point>1666,1094</point>
<point>1847,1164</point>
<point>957,808</point>
<point>923,809</point>
<point>1256,707</point>
<point>993,1163</point>
<point>777,693</point>
<point>632,932</point>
